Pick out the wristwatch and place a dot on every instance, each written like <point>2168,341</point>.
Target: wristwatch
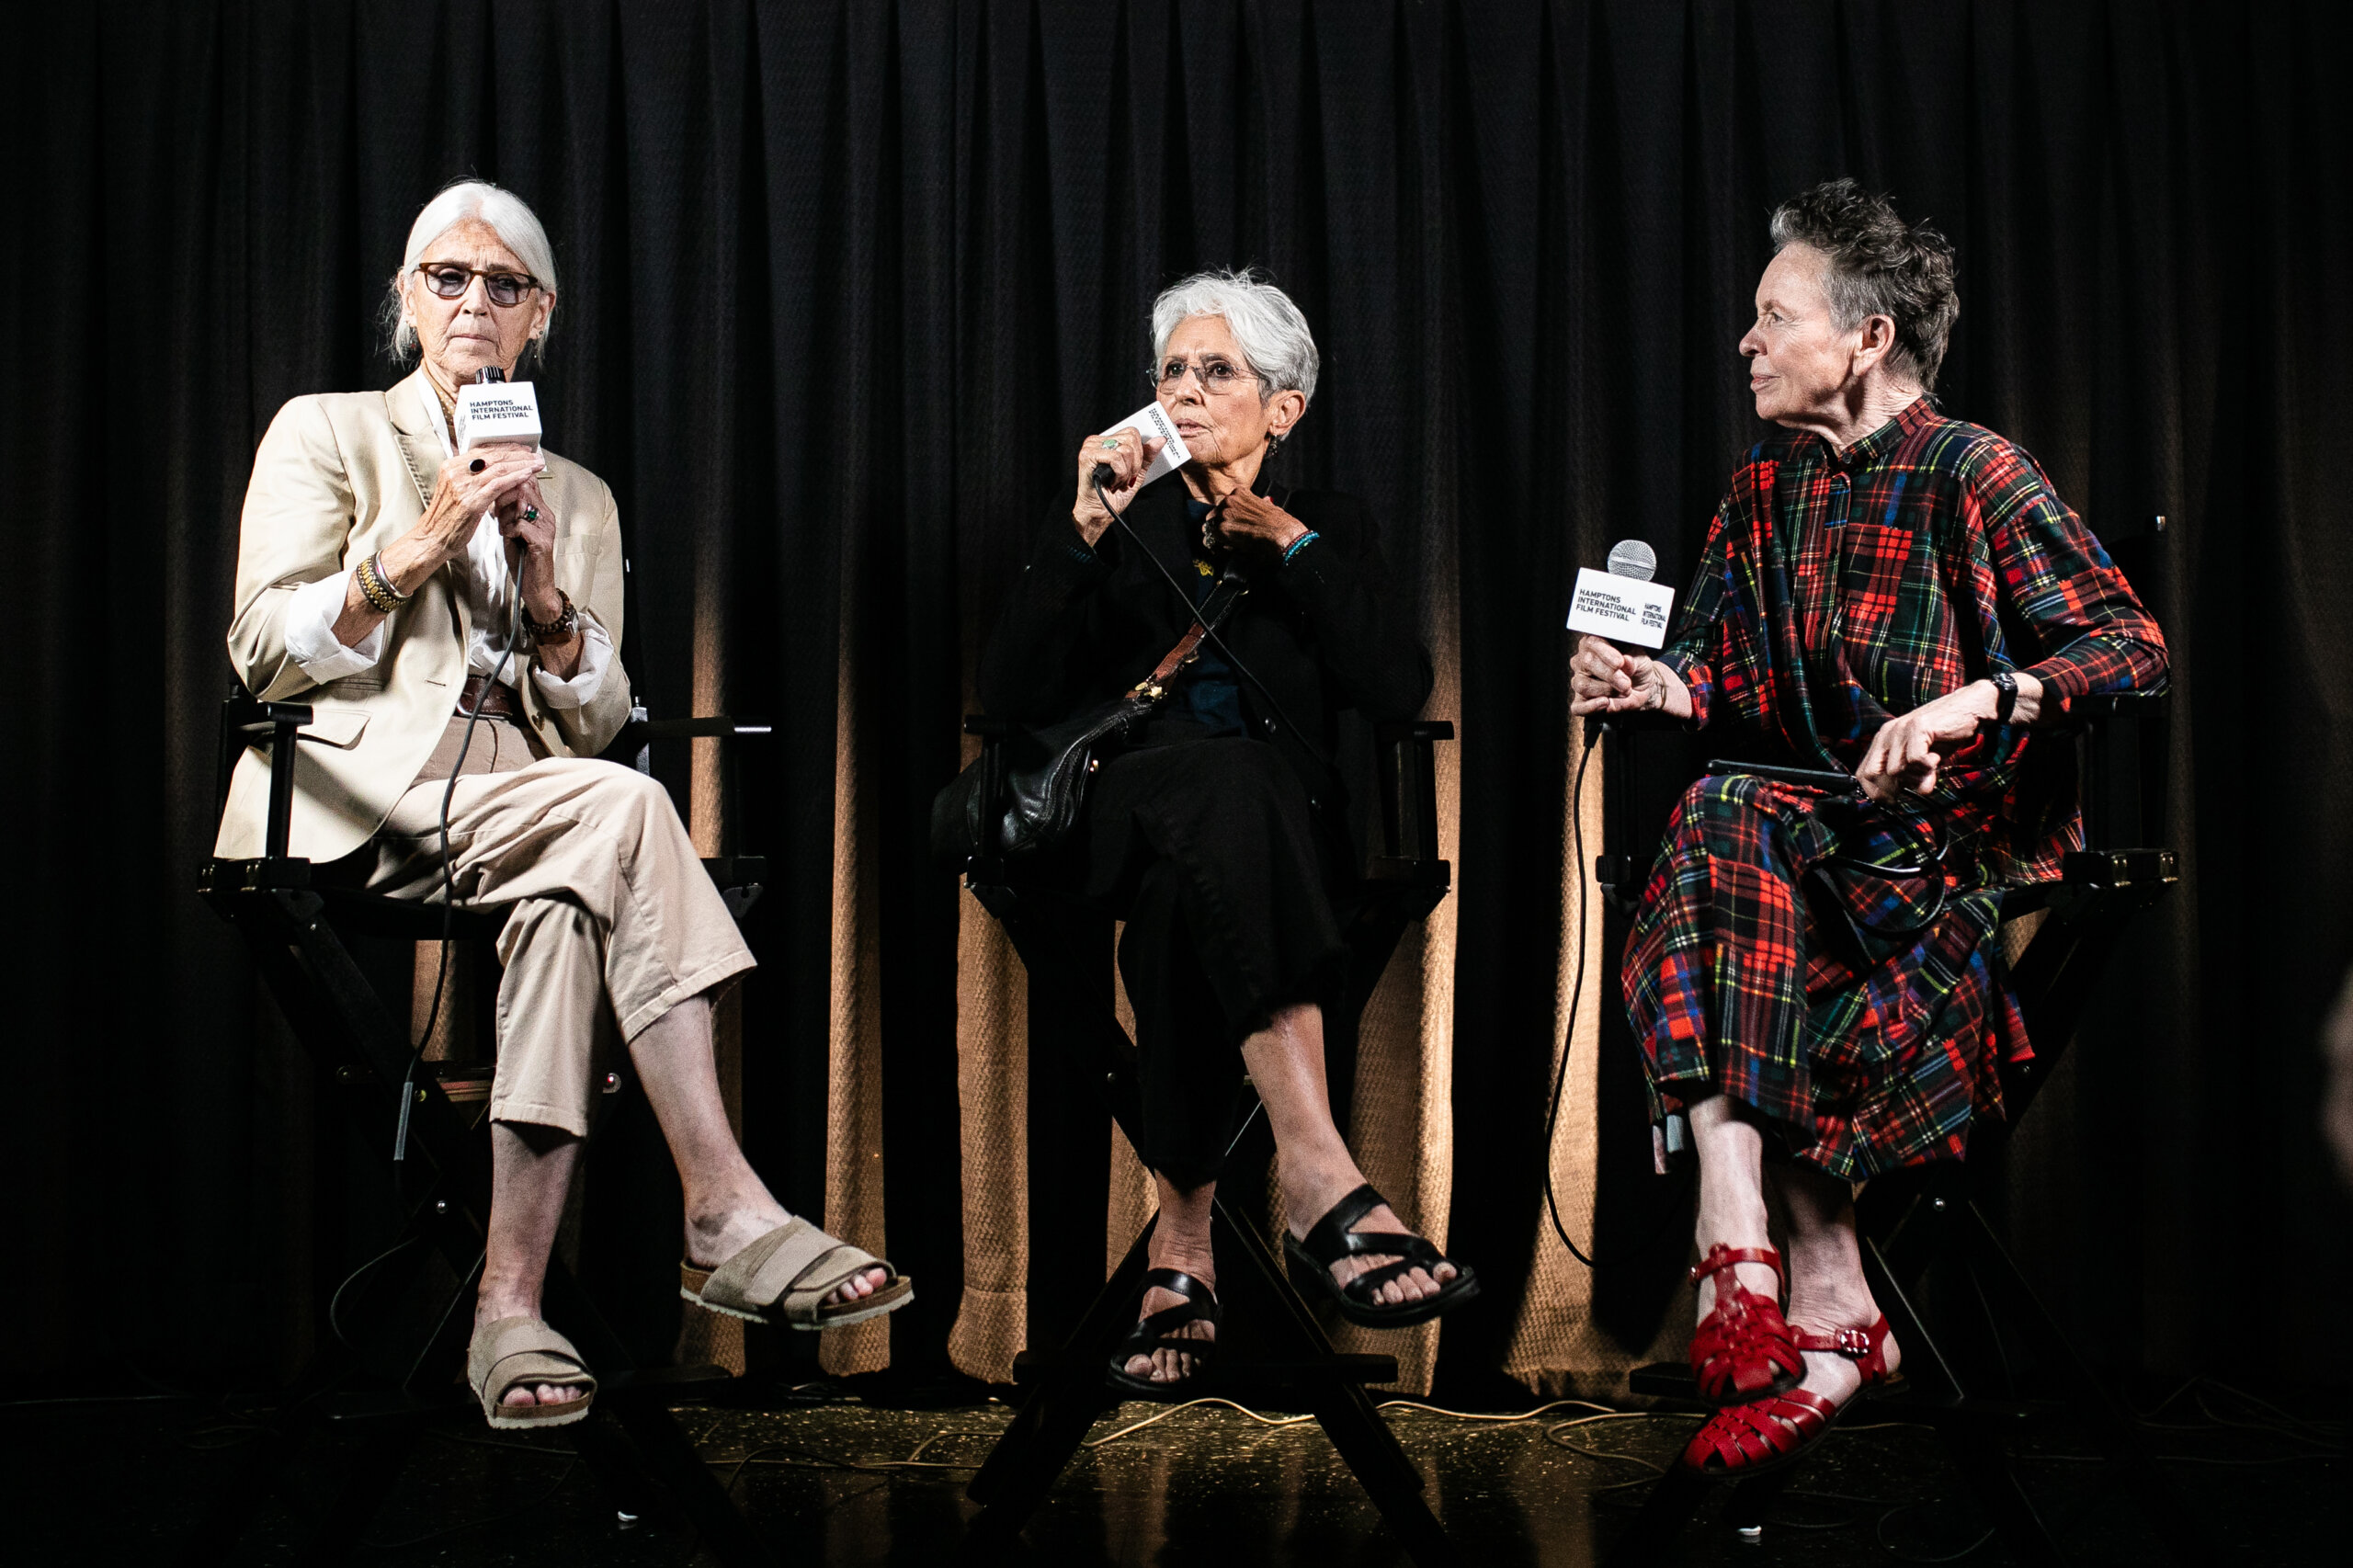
<point>2005,688</point>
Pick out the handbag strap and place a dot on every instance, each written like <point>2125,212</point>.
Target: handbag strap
<point>1214,610</point>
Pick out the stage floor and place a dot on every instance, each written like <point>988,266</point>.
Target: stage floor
<point>124,1482</point>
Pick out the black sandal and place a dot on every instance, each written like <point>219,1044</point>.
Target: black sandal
<point>1330,1240</point>
<point>1157,1333</point>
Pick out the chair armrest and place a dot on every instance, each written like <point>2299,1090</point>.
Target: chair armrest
<point>244,721</point>
<point>1405,757</point>
<point>640,733</point>
<point>2122,739</point>
<point>2082,712</point>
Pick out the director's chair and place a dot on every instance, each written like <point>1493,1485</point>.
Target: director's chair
<point>300,932</point>
<point>1273,1350</point>
<point>1985,1361</point>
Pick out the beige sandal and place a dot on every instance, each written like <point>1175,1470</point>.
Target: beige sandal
<point>518,1351</point>
<point>784,1277</point>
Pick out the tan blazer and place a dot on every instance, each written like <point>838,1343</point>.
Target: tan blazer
<point>339,476</point>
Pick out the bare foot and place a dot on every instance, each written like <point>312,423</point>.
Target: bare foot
<point>1186,1256</point>
<point>714,1237</point>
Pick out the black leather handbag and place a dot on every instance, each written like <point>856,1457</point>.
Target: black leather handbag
<point>1045,770</point>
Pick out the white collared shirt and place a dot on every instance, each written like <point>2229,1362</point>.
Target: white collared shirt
<point>312,613</point>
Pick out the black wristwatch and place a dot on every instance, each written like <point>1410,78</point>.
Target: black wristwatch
<point>2006,686</point>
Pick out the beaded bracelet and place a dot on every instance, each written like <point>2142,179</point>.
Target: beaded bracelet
<point>1299,544</point>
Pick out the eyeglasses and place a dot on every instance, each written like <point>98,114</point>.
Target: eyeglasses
<point>1216,376</point>
<point>450,281</point>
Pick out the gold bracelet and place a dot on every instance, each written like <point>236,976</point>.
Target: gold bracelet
<point>376,586</point>
<point>368,590</point>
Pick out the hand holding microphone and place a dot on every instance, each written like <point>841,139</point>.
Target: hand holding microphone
<point>1620,606</point>
<point>1603,678</point>
<point>1113,461</point>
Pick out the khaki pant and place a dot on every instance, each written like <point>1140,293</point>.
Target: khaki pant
<point>615,921</point>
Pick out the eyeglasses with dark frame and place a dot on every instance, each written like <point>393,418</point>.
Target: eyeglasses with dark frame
<point>450,280</point>
<point>1217,376</point>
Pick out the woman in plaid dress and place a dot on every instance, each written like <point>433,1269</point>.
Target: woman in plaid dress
<point>1893,593</point>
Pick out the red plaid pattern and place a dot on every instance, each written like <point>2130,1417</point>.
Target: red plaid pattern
<point>1778,956</point>
<point>1836,592</point>
<point>1867,1051</point>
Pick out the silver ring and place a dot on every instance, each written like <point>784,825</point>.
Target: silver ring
<point>1110,443</point>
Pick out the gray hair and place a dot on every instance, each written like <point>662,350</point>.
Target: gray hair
<point>1269,328</point>
<point>1879,265</point>
<point>509,215</point>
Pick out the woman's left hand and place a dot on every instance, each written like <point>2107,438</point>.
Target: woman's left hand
<point>1244,517</point>
<point>537,535</point>
<point>1910,749</point>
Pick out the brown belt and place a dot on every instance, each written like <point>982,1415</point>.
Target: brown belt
<point>491,699</point>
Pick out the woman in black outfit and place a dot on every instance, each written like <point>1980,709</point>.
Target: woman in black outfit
<point>1220,834</point>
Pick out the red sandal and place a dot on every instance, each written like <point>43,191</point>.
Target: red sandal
<point>1741,1349</point>
<point>1748,1440</point>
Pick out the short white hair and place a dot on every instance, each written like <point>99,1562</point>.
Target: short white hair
<point>509,215</point>
<point>1270,331</point>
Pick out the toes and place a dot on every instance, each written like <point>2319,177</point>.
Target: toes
<point>517,1395</point>
<point>857,1287</point>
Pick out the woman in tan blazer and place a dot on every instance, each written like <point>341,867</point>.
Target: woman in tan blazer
<point>379,572</point>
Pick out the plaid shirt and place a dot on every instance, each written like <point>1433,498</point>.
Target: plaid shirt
<point>1836,591</point>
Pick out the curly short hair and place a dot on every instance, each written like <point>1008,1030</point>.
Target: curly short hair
<point>1879,265</point>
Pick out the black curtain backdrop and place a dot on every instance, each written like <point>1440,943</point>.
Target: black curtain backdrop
<point>843,284</point>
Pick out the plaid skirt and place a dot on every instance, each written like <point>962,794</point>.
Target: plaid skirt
<point>1828,962</point>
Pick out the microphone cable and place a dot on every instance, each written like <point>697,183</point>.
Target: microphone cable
<point>1209,631</point>
<point>1569,1038</point>
<point>448,875</point>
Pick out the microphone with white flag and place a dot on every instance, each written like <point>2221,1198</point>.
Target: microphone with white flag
<point>491,408</point>
<point>1622,604</point>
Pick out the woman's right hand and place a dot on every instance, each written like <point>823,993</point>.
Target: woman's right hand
<point>1604,679</point>
<point>1129,454</point>
<point>460,497</point>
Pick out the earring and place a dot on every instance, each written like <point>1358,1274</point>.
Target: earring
<point>1274,442</point>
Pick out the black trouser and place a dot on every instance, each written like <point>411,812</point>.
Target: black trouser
<point>1208,850</point>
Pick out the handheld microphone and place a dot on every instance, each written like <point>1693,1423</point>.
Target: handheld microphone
<point>1148,421</point>
<point>1622,605</point>
<point>491,408</point>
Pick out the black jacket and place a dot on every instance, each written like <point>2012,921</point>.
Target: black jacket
<point>1325,631</point>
